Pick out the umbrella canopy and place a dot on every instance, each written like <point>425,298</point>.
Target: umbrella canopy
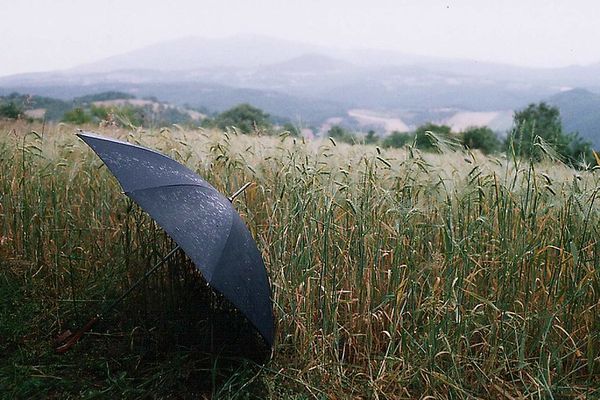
<point>201,221</point>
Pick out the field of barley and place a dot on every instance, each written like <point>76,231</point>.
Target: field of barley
<point>394,273</point>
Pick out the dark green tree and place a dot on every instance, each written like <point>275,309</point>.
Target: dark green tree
<point>10,110</point>
<point>77,116</point>
<point>244,117</point>
<point>425,141</point>
<point>339,133</point>
<point>482,138</point>
<point>536,120</point>
<point>397,139</point>
<point>544,121</point>
<point>371,137</point>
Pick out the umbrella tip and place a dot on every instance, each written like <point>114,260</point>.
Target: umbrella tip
<point>81,134</point>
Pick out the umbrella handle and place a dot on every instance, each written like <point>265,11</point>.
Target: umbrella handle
<point>75,338</point>
<point>238,192</point>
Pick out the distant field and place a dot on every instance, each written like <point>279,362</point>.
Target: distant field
<point>496,120</point>
<point>155,106</point>
<point>367,117</point>
<point>499,121</point>
<point>395,274</point>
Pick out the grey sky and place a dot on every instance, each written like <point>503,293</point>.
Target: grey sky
<point>38,35</point>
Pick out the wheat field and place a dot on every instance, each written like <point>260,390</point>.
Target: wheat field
<point>394,273</point>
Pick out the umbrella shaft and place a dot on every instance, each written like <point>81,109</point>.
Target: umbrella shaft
<point>238,192</point>
<point>159,264</point>
<point>139,281</point>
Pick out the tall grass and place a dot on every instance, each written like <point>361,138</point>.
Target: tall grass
<point>394,274</point>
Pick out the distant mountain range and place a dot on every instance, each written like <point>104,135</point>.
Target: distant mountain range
<point>314,86</point>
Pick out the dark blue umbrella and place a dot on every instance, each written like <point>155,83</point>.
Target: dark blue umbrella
<point>201,220</point>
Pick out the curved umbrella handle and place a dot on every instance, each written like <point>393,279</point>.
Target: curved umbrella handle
<point>75,338</point>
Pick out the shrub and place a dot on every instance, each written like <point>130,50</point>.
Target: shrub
<point>371,137</point>
<point>244,117</point>
<point>77,116</point>
<point>397,139</point>
<point>482,138</point>
<point>339,133</point>
<point>424,140</point>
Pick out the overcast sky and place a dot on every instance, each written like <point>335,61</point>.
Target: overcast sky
<point>37,35</point>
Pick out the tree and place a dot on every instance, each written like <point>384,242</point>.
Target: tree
<point>397,139</point>
<point>338,133</point>
<point>100,113</point>
<point>129,115</point>
<point>10,110</point>
<point>291,129</point>
<point>424,140</point>
<point>482,138</point>
<point>244,117</point>
<point>544,121</point>
<point>371,137</point>
<point>77,116</point>
<point>579,149</point>
<point>536,120</point>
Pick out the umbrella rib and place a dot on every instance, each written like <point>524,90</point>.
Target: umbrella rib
<point>93,136</point>
<point>206,186</point>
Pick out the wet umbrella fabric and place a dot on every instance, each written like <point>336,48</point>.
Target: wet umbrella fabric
<point>201,221</point>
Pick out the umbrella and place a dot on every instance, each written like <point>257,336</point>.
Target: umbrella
<point>199,219</point>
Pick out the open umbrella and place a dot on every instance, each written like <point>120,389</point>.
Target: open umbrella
<point>200,220</point>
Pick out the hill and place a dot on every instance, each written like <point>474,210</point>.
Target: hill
<point>580,112</point>
<point>147,111</point>
<point>196,53</point>
<point>38,107</point>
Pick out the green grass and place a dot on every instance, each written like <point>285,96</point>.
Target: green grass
<point>394,274</point>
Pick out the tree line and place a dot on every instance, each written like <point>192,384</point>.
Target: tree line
<point>82,110</point>
<point>537,129</point>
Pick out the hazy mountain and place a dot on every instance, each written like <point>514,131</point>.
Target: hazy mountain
<point>194,57</point>
<point>311,83</point>
<point>580,112</point>
<point>240,51</point>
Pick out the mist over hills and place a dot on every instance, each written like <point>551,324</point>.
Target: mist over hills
<point>315,85</point>
<point>190,53</point>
